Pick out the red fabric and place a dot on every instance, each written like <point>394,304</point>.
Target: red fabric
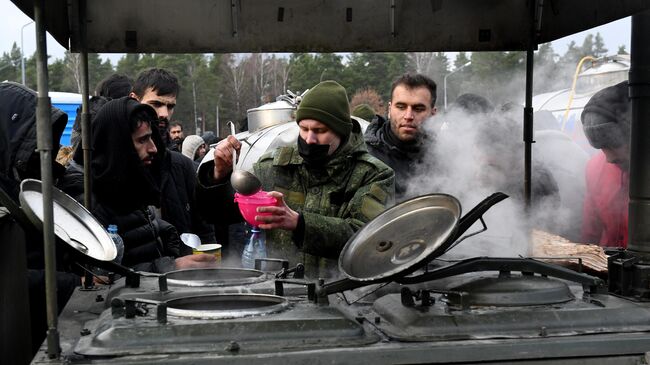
<point>606,203</point>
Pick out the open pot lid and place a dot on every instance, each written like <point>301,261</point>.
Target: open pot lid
<point>401,238</point>
<point>72,222</point>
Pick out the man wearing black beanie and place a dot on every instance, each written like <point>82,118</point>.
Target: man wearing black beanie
<point>327,185</point>
<point>606,123</point>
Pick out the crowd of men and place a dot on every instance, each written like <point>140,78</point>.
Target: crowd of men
<point>147,176</point>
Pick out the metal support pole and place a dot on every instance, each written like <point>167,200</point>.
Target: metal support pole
<point>639,208</point>
<point>86,128</point>
<point>218,126</point>
<point>535,25</point>
<point>44,140</point>
<point>528,127</point>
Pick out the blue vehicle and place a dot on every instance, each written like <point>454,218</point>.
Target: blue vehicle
<point>68,102</point>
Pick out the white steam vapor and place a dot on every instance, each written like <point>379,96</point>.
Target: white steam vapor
<point>473,156</point>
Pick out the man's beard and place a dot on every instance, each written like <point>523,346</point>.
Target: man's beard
<point>162,129</point>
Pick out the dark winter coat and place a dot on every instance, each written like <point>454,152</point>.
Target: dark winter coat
<point>177,184</point>
<point>23,257</point>
<point>150,243</point>
<point>18,159</point>
<point>178,205</point>
<point>94,104</point>
<point>401,157</point>
<point>124,188</point>
<point>334,202</point>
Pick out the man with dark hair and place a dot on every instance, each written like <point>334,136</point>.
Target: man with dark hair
<point>472,104</point>
<point>606,121</point>
<point>327,185</point>
<point>176,136</point>
<point>127,162</point>
<point>159,88</point>
<point>114,86</point>
<point>398,141</point>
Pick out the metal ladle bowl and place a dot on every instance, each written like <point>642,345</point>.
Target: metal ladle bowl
<point>244,182</point>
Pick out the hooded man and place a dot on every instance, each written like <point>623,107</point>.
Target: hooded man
<point>399,141</point>
<point>126,168</point>
<point>22,276</point>
<point>606,121</point>
<point>327,185</point>
<point>194,148</point>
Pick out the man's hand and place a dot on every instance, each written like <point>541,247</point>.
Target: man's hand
<point>281,216</point>
<point>223,162</point>
<point>200,261</point>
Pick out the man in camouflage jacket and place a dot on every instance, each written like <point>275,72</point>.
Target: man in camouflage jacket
<point>327,185</point>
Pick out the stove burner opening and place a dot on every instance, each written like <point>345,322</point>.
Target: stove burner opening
<point>226,306</point>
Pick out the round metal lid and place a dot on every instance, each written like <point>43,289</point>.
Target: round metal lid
<point>72,222</point>
<point>225,306</point>
<point>400,238</point>
<point>223,276</point>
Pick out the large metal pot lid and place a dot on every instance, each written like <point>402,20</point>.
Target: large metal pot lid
<point>226,306</point>
<point>400,238</point>
<point>222,276</point>
<point>72,222</point>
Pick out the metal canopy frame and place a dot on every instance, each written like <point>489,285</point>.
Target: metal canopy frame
<point>324,26</point>
<point>231,26</point>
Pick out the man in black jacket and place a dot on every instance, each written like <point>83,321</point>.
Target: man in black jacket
<point>399,141</point>
<point>158,88</point>
<point>22,276</point>
<point>126,170</point>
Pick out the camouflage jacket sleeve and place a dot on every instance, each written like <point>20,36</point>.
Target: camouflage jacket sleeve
<point>326,235</point>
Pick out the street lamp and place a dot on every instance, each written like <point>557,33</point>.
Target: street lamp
<point>444,80</point>
<point>22,52</point>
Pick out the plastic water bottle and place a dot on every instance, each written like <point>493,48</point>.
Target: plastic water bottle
<point>255,248</point>
<point>119,243</point>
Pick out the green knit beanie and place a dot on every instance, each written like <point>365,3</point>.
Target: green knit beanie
<point>364,111</point>
<point>327,103</point>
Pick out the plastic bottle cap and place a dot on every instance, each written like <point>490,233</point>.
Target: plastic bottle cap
<point>112,228</point>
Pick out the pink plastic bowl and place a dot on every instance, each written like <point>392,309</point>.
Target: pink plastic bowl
<point>248,205</point>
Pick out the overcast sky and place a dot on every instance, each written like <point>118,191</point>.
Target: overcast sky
<point>614,34</point>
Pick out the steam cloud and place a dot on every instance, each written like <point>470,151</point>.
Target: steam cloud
<point>475,155</point>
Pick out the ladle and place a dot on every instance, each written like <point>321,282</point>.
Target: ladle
<point>242,181</point>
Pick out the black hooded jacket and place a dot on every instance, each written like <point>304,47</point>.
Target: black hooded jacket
<point>176,181</point>
<point>124,189</point>
<point>400,156</point>
<point>18,159</point>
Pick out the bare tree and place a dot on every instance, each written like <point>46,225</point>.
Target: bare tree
<point>73,63</point>
<point>236,73</point>
<point>422,61</point>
